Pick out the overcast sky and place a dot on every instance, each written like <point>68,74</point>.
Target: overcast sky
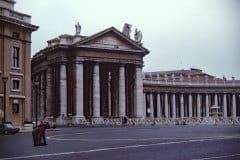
<point>179,34</point>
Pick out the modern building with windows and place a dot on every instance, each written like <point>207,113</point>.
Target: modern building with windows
<point>99,79</point>
<point>15,64</point>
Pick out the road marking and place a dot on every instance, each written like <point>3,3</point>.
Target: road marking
<point>226,156</point>
<point>58,137</point>
<point>113,148</point>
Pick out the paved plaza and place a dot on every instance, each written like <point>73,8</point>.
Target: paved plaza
<point>200,142</point>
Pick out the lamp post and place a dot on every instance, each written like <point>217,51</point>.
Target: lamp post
<point>4,79</point>
<point>36,83</point>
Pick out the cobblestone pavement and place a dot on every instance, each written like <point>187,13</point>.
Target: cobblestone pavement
<point>128,142</point>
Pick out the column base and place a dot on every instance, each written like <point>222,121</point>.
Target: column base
<point>60,120</point>
<point>78,120</point>
<point>97,120</point>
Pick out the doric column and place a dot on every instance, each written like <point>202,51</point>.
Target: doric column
<point>173,105</point>
<point>96,91</point>
<point>49,91</point>
<point>63,90</point>
<point>79,89</point>
<point>207,106</point>
<point>190,105</point>
<point>166,105</point>
<point>234,106</point>
<point>151,106</point>
<point>144,105</point>
<point>159,105</point>
<point>138,93</point>
<point>122,93</point>
<point>109,95</point>
<point>215,100</point>
<point>198,106</point>
<point>181,105</point>
<point>42,96</point>
<point>224,106</point>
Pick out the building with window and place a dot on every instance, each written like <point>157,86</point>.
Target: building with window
<point>15,63</point>
<point>99,79</point>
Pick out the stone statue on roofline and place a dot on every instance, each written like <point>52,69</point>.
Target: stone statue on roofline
<point>78,28</point>
<point>127,29</point>
<point>138,36</point>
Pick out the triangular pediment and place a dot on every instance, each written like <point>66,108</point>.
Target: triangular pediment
<point>111,39</point>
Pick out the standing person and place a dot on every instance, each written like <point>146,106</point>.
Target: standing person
<point>42,127</point>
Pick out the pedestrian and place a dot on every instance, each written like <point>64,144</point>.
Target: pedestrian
<point>36,136</point>
<point>42,130</point>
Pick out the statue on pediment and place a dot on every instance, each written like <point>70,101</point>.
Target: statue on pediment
<point>138,35</point>
<point>78,28</point>
<point>127,29</point>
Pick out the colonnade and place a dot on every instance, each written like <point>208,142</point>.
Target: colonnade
<point>63,91</point>
<point>182,105</point>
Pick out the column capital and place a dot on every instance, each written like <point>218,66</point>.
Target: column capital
<point>78,60</point>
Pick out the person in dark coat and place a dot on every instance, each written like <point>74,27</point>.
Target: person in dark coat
<point>36,136</point>
<point>42,129</point>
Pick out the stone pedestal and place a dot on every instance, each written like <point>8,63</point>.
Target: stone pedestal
<point>97,121</point>
<point>60,120</point>
<point>78,120</point>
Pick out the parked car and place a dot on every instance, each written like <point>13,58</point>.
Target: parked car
<point>8,128</point>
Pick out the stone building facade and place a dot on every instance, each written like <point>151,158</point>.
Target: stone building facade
<point>191,96</point>
<point>89,78</point>
<point>99,79</point>
<point>15,63</point>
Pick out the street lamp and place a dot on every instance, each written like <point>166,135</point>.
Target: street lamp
<point>4,79</point>
<point>36,83</point>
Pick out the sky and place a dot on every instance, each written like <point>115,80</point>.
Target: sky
<point>180,34</point>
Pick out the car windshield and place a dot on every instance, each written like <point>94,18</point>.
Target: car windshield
<point>8,125</point>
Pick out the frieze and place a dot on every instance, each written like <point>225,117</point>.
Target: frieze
<point>190,90</point>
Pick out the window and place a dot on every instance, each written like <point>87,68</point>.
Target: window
<point>15,108</point>
<point>16,84</point>
<point>15,35</point>
<point>15,57</point>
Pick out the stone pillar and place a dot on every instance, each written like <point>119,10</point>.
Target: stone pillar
<point>234,114</point>
<point>166,105</point>
<point>138,93</point>
<point>49,91</point>
<point>198,106</point>
<point>159,113</point>
<point>62,94</point>
<point>109,95</point>
<point>122,92</point>
<point>151,106</point>
<point>181,105</point>
<point>173,106</point>
<point>207,106</point>
<point>96,91</point>
<point>78,92</point>
<point>190,105</point>
<point>42,96</point>
<point>215,100</point>
<point>144,105</point>
<point>224,106</point>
